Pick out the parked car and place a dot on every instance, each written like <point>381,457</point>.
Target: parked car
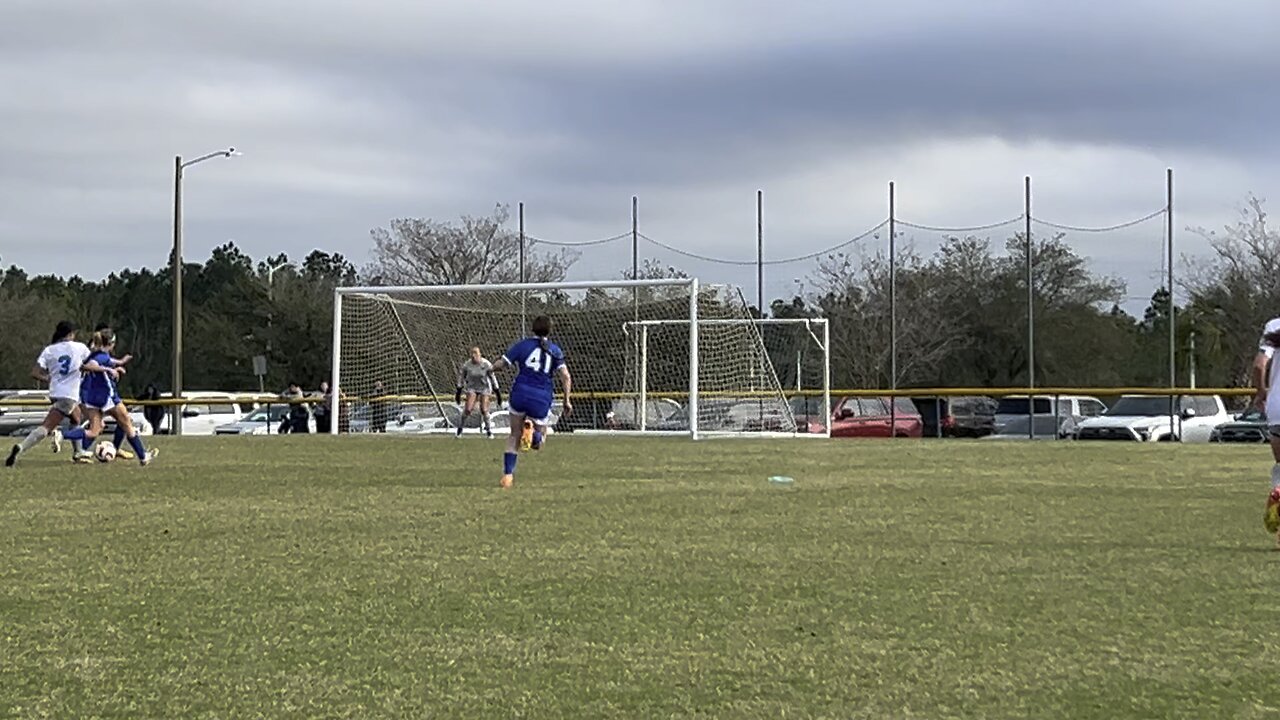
<point>265,420</point>
<point>1047,427</point>
<point>1249,427</point>
<point>1068,409</point>
<point>21,419</point>
<point>963,416</point>
<point>871,417</point>
<point>1144,418</point>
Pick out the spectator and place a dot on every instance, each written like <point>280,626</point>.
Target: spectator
<point>378,409</point>
<point>153,413</point>
<point>296,420</point>
<point>323,410</point>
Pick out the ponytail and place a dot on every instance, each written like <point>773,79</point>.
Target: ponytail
<point>104,338</point>
<point>64,328</point>
<point>542,328</point>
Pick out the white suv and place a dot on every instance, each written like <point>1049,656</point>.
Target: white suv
<point>1146,419</point>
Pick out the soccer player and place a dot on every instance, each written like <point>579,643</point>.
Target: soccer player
<point>1267,399</point>
<point>537,361</point>
<point>62,365</point>
<point>476,379</point>
<point>77,417</point>
<point>102,396</point>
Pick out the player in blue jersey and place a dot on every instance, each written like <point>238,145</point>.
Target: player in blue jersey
<point>76,434</point>
<point>101,396</point>
<point>538,361</point>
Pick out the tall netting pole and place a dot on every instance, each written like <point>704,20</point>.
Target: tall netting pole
<point>1031,318</point>
<point>893,317</point>
<point>1173,338</point>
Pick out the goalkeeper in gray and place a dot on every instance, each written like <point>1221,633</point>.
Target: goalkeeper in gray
<point>477,381</point>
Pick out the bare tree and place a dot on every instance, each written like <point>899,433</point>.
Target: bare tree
<point>1237,289</point>
<point>418,251</point>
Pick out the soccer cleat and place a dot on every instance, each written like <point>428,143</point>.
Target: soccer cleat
<point>125,453</point>
<point>82,456</point>
<point>13,456</point>
<point>506,481</point>
<point>151,455</point>
<point>538,440</point>
<point>1271,516</point>
<point>526,436</point>
<point>488,434</point>
<point>55,440</point>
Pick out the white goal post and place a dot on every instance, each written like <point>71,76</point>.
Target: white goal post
<point>670,356</point>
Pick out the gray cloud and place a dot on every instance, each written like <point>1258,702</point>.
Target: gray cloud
<point>352,115</point>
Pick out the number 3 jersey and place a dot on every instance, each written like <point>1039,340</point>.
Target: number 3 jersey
<point>537,366</point>
<point>63,361</point>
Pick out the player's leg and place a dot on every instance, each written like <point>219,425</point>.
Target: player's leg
<point>513,444</point>
<point>57,436</point>
<point>484,415</point>
<point>119,436</point>
<point>467,406</point>
<point>82,453</point>
<point>51,422</point>
<point>74,434</point>
<point>1271,516</point>
<point>123,420</point>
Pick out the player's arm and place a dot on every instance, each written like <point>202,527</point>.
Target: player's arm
<point>566,380</point>
<point>38,372</point>
<point>1258,376</point>
<point>93,366</point>
<point>501,363</point>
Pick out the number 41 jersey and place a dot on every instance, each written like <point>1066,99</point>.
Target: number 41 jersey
<point>538,367</point>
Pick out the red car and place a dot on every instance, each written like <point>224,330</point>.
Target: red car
<point>870,417</point>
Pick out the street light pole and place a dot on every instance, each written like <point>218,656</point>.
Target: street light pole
<point>175,426</point>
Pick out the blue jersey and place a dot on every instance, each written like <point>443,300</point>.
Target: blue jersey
<point>98,387</point>
<point>537,367</point>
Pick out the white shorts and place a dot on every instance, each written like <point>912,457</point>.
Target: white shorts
<point>104,409</point>
<point>478,392</point>
<point>66,406</point>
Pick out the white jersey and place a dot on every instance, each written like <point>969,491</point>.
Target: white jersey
<point>63,361</point>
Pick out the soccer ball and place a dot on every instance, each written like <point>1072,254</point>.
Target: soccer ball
<point>105,452</point>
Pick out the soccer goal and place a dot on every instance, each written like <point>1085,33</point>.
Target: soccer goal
<point>647,356</point>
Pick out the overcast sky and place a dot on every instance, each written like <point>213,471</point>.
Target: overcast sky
<point>350,114</point>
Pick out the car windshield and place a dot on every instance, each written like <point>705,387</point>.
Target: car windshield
<point>1140,407</point>
<point>1253,416</point>
<point>265,414</point>
<point>1022,406</point>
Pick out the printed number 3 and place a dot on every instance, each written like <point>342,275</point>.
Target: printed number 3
<point>65,363</point>
<point>538,361</point>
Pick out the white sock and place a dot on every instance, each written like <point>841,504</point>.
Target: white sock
<point>1275,476</point>
<point>34,438</point>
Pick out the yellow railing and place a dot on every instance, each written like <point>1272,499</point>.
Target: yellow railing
<point>680,395</point>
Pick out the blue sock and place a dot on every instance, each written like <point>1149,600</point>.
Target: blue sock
<point>508,463</point>
<point>138,447</point>
<point>73,434</point>
<point>118,438</point>
<point>537,439</point>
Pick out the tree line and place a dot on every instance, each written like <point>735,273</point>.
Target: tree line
<point>961,311</point>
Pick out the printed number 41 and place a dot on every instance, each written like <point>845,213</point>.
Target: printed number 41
<point>539,361</point>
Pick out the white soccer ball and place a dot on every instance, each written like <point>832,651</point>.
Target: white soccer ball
<point>105,452</point>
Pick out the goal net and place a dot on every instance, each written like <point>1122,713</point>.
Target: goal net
<point>647,356</point>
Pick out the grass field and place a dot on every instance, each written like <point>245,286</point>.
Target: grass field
<point>390,577</point>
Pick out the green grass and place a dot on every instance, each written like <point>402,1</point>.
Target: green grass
<point>390,577</point>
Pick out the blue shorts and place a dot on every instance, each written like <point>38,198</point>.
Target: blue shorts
<point>99,401</point>
<point>534,404</point>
